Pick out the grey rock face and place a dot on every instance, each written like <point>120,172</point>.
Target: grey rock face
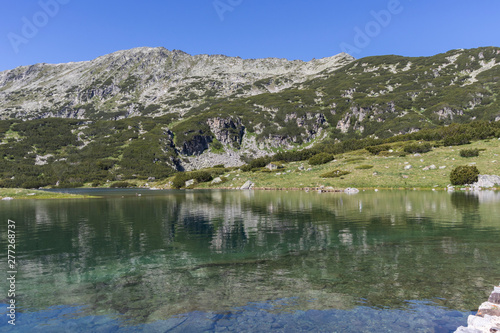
<point>487,181</point>
<point>247,186</point>
<point>227,131</point>
<point>151,81</point>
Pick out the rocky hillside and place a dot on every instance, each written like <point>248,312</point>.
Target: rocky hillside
<point>146,81</point>
<point>148,112</point>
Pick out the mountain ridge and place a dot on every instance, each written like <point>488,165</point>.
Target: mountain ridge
<point>150,112</point>
<point>153,75</point>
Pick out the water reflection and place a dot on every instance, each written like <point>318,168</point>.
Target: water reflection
<point>152,257</point>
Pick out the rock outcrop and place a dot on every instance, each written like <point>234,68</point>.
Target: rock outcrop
<point>487,319</point>
<point>152,81</point>
<point>487,181</point>
<point>227,131</point>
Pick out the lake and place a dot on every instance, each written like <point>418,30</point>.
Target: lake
<point>251,261</point>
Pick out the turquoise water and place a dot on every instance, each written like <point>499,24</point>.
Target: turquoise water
<point>214,261</point>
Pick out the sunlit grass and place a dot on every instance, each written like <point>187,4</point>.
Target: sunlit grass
<point>387,172</point>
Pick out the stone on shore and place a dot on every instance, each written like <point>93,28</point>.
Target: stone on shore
<point>7,198</point>
<point>487,181</point>
<point>217,180</point>
<point>351,190</point>
<point>247,186</point>
<point>488,317</point>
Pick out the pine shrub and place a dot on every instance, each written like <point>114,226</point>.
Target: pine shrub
<point>464,174</point>
<point>321,158</point>
<point>334,174</point>
<point>474,152</point>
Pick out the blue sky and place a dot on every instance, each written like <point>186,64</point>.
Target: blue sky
<point>55,31</point>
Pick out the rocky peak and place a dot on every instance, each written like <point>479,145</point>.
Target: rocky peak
<point>125,83</point>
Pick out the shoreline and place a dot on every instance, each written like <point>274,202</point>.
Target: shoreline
<point>26,194</point>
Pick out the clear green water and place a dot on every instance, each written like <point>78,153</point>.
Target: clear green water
<point>196,261</point>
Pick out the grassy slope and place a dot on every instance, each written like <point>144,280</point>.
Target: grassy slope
<point>27,194</point>
<point>390,170</point>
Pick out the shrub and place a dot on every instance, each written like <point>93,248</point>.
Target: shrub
<point>334,174</point>
<point>364,167</point>
<point>456,140</point>
<point>355,159</point>
<point>121,185</point>
<point>469,152</point>
<point>321,158</point>
<point>464,174</point>
<point>419,148</point>
<point>375,150</point>
<point>293,156</point>
<point>199,176</point>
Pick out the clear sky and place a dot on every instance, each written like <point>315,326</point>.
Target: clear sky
<point>55,31</point>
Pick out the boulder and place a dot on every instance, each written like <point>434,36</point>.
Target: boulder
<point>487,181</point>
<point>217,180</point>
<point>272,166</point>
<point>189,182</point>
<point>7,198</point>
<point>351,190</point>
<point>247,186</point>
<point>408,167</point>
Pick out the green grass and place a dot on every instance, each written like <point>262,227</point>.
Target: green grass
<point>35,194</point>
<point>387,172</point>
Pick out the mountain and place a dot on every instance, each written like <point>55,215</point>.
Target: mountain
<point>149,111</point>
<point>146,81</point>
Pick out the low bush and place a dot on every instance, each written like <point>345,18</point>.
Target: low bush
<point>121,185</point>
<point>469,152</point>
<point>456,140</point>
<point>355,159</point>
<point>334,174</point>
<point>417,148</point>
<point>181,178</point>
<point>364,167</point>
<point>375,150</point>
<point>294,156</point>
<point>321,158</point>
<point>464,174</point>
